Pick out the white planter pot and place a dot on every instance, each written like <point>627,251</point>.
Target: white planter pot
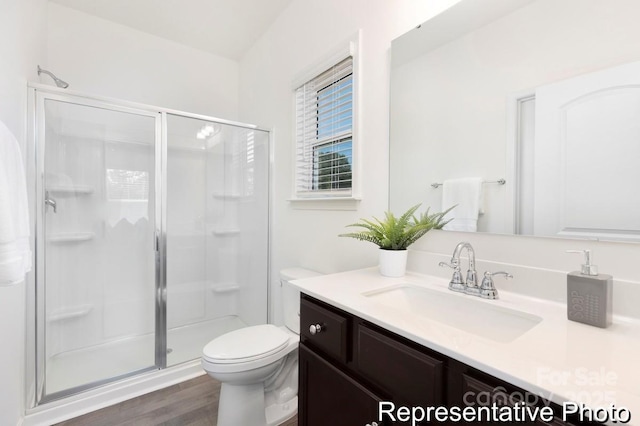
<point>393,263</point>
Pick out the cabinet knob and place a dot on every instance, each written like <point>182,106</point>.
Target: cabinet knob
<point>315,328</point>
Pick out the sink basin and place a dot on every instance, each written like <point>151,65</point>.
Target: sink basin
<point>457,310</point>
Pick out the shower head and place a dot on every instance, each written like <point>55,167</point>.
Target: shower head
<point>59,83</point>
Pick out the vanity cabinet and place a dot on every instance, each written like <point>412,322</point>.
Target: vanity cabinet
<point>348,366</point>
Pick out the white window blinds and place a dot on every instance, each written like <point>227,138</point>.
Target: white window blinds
<point>324,133</point>
<point>129,185</point>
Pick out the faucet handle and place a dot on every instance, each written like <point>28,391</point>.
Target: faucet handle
<point>487,288</point>
<point>450,265</point>
<point>491,274</point>
<point>456,283</point>
<point>48,201</point>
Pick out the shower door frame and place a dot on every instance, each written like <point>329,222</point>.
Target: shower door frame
<point>35,155</point>
<point>40,96</point>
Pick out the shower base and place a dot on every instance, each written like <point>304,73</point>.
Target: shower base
<point>98,363</point>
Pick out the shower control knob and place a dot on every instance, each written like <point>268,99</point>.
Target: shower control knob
<point>315,329</point>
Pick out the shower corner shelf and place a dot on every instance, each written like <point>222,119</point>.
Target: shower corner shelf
<point>70,189</point>
<point>70,313</point>
<point>70,237</point>
<point>225,232</point>
<point>225,288</point>
<point>227,195</point>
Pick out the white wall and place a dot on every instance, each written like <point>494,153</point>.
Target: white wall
<point>301,36</point>
<point>22,47</point>
<point>100,57</point>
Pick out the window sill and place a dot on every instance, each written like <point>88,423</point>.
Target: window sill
<point>328,203</point>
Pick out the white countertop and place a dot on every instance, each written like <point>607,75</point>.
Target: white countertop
<point>558,359</point>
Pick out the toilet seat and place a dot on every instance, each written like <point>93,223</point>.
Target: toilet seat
<point>247,348</point>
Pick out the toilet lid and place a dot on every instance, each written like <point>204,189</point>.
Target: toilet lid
<point>246,344</point>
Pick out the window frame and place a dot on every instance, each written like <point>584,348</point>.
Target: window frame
<point>349,49</point>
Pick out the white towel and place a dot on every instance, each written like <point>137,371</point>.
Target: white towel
<point>466,195</point>
<point>15,253</point>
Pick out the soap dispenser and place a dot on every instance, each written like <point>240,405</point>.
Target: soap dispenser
<point>589,294</point>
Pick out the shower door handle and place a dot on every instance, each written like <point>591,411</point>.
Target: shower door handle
<point>161,294</point>
<point>48,201</point>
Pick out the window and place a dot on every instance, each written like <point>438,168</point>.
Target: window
<point>324,133</point>
<point>127,185</point>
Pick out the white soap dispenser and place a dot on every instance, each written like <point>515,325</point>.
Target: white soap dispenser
<point>589,294</point>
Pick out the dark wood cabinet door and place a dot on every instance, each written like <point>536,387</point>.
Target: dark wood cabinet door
<point>482,393</point>
<point>408,376</point>
<point>332,328</point>
<point>479,393</point>
<point>330,397</point>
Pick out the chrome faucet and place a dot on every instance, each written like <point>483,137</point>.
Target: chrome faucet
<point>470,286</point>
<point>487,290</point>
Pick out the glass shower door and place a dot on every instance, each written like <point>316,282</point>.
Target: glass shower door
<point>97,256</point>
<point>216,231</point>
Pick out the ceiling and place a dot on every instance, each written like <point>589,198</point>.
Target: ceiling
<point>223,27</point>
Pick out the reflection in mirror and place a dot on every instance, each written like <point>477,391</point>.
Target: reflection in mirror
<point>544,94</point>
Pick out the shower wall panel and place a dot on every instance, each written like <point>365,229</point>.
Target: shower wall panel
<point>186,271</point>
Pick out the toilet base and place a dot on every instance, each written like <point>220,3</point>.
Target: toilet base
<point>241,405</point>
<point>280,413</point>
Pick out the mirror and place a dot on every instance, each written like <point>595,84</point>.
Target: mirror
<point>542,95</point>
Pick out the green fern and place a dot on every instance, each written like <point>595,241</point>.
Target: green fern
<point>398,233</point>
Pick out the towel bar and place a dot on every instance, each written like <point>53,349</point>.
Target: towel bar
<point>499,182</point>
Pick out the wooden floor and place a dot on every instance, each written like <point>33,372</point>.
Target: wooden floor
<point>193,403</point>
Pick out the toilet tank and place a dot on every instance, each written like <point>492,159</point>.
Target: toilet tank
<point>291,295</point>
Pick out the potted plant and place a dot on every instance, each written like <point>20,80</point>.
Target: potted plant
<point>393,236</point>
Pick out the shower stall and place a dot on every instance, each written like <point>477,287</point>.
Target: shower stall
<point>151,235</point>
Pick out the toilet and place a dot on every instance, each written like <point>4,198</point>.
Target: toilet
<point>258,365</point>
